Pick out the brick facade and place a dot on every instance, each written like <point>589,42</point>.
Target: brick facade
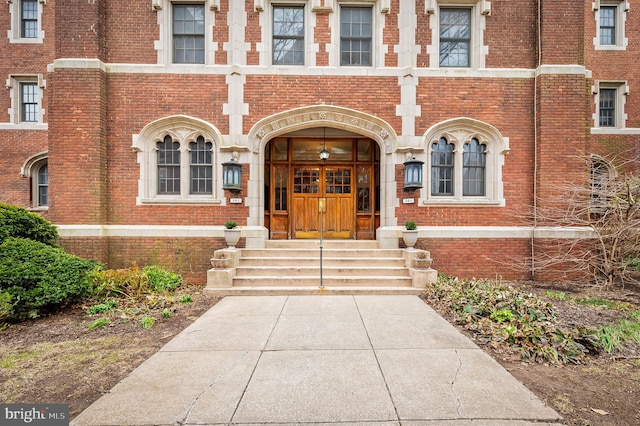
<point>109,80</point>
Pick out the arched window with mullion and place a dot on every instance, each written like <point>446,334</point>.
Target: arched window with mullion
<point>201,167</point>
<point>168,166</point>
<point>442,168</point>
<point>473,170</point>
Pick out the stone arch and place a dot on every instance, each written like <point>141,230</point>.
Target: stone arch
<point>323,116</point>
<point>461,128</point>
<point>178,126</point>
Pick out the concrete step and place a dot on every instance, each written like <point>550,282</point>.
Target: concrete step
<point>327,280</point>
<point>314,271</point>
<point>309,290</point>
<point>326,261</point>
<point>291,252</point>
<point>327,244</point>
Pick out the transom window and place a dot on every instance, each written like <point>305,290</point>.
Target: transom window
<point>455,37</point>
<point>288,35</point>
<point>356,29</point>
<point>188,33</point>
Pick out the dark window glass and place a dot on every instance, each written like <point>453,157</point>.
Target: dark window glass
<point>168,166</point>
<point>288,35</point>
<point>455,37</point>
<point>188,33</point>
<point>607,107</point>
<point>201,166</point>
<point>43,186</point>
<point>473,171</point>
<point>599,183</point>
<point>355,36</point>
<point>29,18</point>
<point>608,25</point>
<point>28,102</point>
<point>442,168</point>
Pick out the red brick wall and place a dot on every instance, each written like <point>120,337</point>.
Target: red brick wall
<point>131,29</point>
<point>81,29</point>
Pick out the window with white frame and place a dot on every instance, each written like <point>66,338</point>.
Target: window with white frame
<point>457,33</point>
<point>36,168</point>
<point>610,99</point>
<point>464,161</point>
<point>26,100</point>
<point>26,21</point>
<point>186,31</point>
<point>176,157</point>
<point>288,35</point>
<point>356,32</point>
<point>610,18</point>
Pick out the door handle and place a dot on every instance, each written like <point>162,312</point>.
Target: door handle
<point>322,205</point>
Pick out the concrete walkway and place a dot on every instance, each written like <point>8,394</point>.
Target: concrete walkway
<point>283,360</point>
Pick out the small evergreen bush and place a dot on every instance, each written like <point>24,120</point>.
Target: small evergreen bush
<point>20,223</point>
<point>40,277</point>
<point>161,279</point>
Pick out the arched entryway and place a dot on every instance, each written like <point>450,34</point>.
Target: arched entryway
<point>306,195</point>
<point>302,195</point>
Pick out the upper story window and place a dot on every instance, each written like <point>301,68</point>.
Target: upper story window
<point>610,102</point>
<point>26,17</point>
<point>356,32</point>
<point>457,33</point>
<point>455,37</point>
<point>288,35</point>
<point>177,162</point>
<point>29,18</point>
<point>26,93</point>
<point>29,102</point>
<point>465,163</point>
<point>188,33</point>
<point>610,24</point>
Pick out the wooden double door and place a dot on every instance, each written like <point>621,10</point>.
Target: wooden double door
<point>306,197</point>
<point>323,202</point>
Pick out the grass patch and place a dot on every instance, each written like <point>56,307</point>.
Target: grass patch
<point>615,337</point>
<point>14,360</point>
<point>595,302</point>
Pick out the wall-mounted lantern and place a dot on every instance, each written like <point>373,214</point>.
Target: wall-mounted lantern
<point>412,173</point>
<point>232,174</point>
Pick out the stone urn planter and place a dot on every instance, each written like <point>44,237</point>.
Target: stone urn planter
<point>410,234</point>
<point>231,233</point>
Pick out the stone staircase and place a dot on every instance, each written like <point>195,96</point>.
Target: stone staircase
<point>293,267</point>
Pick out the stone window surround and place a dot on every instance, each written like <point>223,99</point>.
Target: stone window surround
<point>182,129</point>
<point>622,8</point>
<point>332,8</point>
<point>14,33</point>
<point>30,170</point>
<point>13,85</point>
<point>164,47</point>
<point>622,91</point>
<point>480,9</point>
<point>459,131</point>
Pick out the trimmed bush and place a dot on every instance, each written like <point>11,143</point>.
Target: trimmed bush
<point>20,223</point>
<point>40,277</point>
<point>161,279</point>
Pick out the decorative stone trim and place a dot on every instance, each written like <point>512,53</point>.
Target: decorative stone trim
<point>323,116</point>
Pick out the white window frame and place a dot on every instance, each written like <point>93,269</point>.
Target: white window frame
<point>183,130</point>
<point>13,85</point>
<point>622,91</point>
<point>266,21</point>
<point>14,33</point>
<point>164,46</point>
<point>480,9</point>
<point>460,131</point>
<point>622,7</point>
<point>30,170</point>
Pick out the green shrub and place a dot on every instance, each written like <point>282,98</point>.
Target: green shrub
<point>40,277</point>
<point>20,223</point>
<point>161,279</point>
